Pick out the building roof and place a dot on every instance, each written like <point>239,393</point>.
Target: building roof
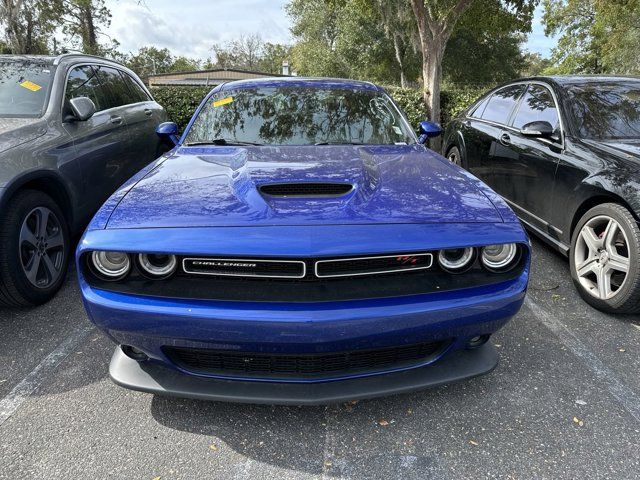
<point>206,77</point>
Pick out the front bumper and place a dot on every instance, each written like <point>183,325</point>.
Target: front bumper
<point>151,324</point>
<point>157,379</point>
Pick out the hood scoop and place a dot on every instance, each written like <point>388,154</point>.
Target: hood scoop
<point>305,189</point>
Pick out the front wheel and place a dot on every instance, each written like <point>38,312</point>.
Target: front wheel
<point>454,156</point>
<point>605,259</point>
<point>34,249</point>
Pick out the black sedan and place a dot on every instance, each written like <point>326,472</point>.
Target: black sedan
<point>565,154</point>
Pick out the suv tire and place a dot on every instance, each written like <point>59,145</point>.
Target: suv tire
<point>34,249</point>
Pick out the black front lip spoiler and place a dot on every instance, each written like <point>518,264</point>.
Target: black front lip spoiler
<point>154,378</point>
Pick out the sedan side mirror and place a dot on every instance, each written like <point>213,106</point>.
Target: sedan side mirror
<point>428,130</point>
<point>168,131</point>
<point>82,108</point>
<point>539,129</point>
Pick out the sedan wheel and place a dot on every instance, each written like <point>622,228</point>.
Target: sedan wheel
<point>454,156</point>
<point>605,259</point>
<point>602,257</point>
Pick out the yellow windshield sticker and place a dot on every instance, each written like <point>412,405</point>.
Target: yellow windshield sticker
<point>222,101</point>
<point>34,87</point>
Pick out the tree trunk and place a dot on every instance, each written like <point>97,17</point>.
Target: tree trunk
<point>398,52</point>
<point>89,39</point>
<point>11,16</point>
<point>432,77</point>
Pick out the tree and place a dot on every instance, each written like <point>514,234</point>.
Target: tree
<point>596,36</point>
<point>83,21</point>
<point>435,26</point>
<point>400,29</point>
<point>28,25</point>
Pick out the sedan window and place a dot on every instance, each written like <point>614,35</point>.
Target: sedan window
<point>537,105</point>
<point>607,110</point>
<point>501,104</point>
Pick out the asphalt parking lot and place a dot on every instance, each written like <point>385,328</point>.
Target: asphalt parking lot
<point>563,403</point>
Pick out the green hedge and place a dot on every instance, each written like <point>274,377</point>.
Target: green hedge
<point>181,102</point>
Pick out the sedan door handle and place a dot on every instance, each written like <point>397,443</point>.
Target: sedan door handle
<point>505,139</point>
<point>115,119</point>
<point>148,112</point>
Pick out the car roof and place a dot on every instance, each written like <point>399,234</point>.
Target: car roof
<point>304,82</point>
<point>568,80</point>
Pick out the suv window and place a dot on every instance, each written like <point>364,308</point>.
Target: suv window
<point>119,93</point>
<point>83,82</point>
<point>501,104</point>
<point>137,92</point>
<point>537,105</point>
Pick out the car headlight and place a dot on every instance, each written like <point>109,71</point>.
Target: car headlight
<point>499,257</point>
<point>157,265</point>
<point>111,265</point>
<point>456,259</point>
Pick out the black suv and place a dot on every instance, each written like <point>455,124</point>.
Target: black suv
<point>565,153</point>
<point>73,128</point>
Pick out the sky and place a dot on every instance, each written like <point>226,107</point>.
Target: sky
<point>191,27</point>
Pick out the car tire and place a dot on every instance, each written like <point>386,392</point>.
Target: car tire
<point>605,259</point>
<point>34,249</point>
<point>453,155</point>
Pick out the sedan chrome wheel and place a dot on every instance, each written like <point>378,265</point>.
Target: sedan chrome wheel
<point>41,245</point>
<point>601,257</point>
<point>454,156</point>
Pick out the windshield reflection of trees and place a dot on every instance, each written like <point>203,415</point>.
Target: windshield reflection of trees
<point>607,111</point>
<point>16,99</point>
<point>300,116</point>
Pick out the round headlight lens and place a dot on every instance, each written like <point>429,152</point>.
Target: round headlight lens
<point>456,259</point>
<point>158,265</point>
<point>499,257</point>
<point>111,265</point>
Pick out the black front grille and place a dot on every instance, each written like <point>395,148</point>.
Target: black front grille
<point>217,362</point>
<point>310,288</point>
<point>306,189</point>
<point>245,267</point>
<point>345,267</point>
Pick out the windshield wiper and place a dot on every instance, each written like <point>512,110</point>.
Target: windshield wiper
<point>222,141</point>
<point>338,143</point>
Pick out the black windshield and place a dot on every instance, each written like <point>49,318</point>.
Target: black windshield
<point>607,110</point>
<point>24,88</point>
<point>299,116</point>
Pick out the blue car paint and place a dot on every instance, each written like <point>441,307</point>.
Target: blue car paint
<point>204,201</point>
<point>217,186</point>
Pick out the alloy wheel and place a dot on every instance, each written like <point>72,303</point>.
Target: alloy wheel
<point>601,257</point>
<point>41,247</point>
<point>454,157</point>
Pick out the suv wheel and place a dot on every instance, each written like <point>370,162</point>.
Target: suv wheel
<point>34,249</point>
<point>605,259</point>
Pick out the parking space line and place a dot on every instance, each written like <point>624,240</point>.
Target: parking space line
<point>625,396</point>
<point>23,390</point>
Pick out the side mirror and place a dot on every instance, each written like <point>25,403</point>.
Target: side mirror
<point>168,131</point>
<point>539,129</point>
<point>428,130</point>
<point>82,108</point>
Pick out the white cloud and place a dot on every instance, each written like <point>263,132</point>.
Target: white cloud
<point>190,27</point>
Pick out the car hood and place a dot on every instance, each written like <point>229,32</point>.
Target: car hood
<point>220,186</point>
<point>16,131</point>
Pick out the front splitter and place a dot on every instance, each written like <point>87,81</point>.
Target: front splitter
<point>154,378</point>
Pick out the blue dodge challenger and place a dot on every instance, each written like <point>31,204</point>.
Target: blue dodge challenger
<point>301,245</point>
